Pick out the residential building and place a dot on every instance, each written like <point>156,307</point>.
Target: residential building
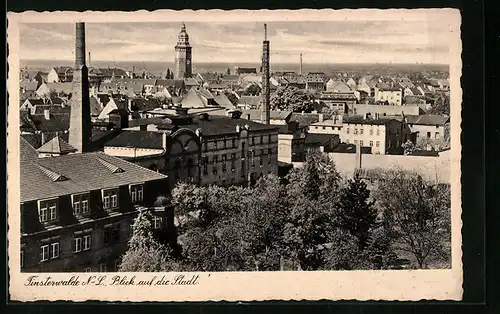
<point>233,150</point>
<point>385,110</point>
<point>77,210</point>
<point>292,142</point>
<point>60,75</point>
<point>276,117</point>
<point>328,126</point>
<point>382,135</point>
<point>392,96</point>
<point>427,126</point>
<point>324,143</point>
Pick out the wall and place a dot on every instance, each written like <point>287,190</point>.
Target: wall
<point>362,109</point>
<point>431,168</point>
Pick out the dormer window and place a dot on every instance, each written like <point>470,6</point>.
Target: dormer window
<point>47,210</point>
<point>110,198</point>
<point>80,204</point>
<point>136,193</point>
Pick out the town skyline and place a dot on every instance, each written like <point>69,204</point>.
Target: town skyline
<point>329,42</point>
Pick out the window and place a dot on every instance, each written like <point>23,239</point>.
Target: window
<point>215,144</point>
<point>215,165</point>
<point>102,268</point>
<point>224,163</point>
<point>111,234</point>
<point>224,143</point>
<point>269,138</point>
<point>204,162</point>
<point>371,143</point>
<point>110,199</point>
<point>80,204</point>
<point>262,139</point>
<point>361,131</point>
<point>437,135</point>
<point>371,131</point>
<point>44,253</point>
<point>378,132</point>
<point>252,153</point>
<point>136,193</point>
<point>253,140</point>
<point>157,222</point>
<point>77,245</point>
<point>361,143</point>
<point>355,131</point>
<point>324,128</point>
<point>234,143</point>
<point>233,160</point>
<point>54,250</point>
<point>355,142</point>
<point>428,134</point>
<point>261,157</point>
<point>86,242</point>
<point>47,210</point>
<point>377,143</point>
<point>205,146</point>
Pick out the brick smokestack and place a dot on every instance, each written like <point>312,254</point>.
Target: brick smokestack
<point>266,93</point>
<point>80,46</point>
<point>300,68</point>
<point>80,125</point>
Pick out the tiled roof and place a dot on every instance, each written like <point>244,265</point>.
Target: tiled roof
<point>170,83</point>
<point>143,104</point>
<point>427,119</point>
<point>305,119</point>
<point>26,151</point>
<point>137,139</point>
<point>223,101</point>
<point>56,146</point>
<point>190,82</point>
<point>29,85</point>
<point>61,88</point>
<point>274,115</point>
<point>56,123</point>
<point>108,72</point>
<point>84,172</point>
<point>250,100</point>
<point>218,125</point>
<point>53,109</point>
<point>95,106</point>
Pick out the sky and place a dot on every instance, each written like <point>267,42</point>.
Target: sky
<point>351,41</point>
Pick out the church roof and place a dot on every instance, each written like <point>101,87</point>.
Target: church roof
<point>56,146</point>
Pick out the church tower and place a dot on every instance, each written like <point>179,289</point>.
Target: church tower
<point>80,125</point>
<point>183,66</point>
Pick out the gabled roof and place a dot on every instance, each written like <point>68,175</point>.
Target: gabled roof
<point>170,83</point>
<point>83,172</point>
<point>56,123</point>
<point>222,100</point>
<point>191,82</point>
<point>142,104</point>
<point>56,146</point>
<point>427,119</point>
<point>28,85</point>
<point>208,76</point>
<point>230,78</point>
<point>53,109</point>
<point>108,72</point>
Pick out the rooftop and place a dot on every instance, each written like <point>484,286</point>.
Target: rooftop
<point>427,119</point>
<point>78,173</point>
<point>137,139</point>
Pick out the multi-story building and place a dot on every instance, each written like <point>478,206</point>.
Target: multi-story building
<point>393,96</point>
<point>382,135</point>
<point>77,210</point>
<point>328,126</point>
<point>233,150</point>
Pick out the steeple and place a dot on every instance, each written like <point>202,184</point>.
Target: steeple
<point>183,66</point>
<point>80,125</point>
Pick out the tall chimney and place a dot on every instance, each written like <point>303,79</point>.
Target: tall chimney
<point>80,126</point>
<point>89,61</point>
<point>300,69</point>
<point>265,109</point>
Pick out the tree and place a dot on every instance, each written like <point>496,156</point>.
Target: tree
<point>441,105</point>
<point>357,214</point>
<point>145,254</point>
<point>167,76</point>
<point>408,147</point>
<point>228,71</point>
<point>187,200</point>
<point>417,215</point>
<point>291,98</point>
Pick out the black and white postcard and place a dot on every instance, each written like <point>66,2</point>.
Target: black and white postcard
<point>235,155</point>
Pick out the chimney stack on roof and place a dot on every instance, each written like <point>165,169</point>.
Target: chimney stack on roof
<point>266,93</point>
<point>80,45</point>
